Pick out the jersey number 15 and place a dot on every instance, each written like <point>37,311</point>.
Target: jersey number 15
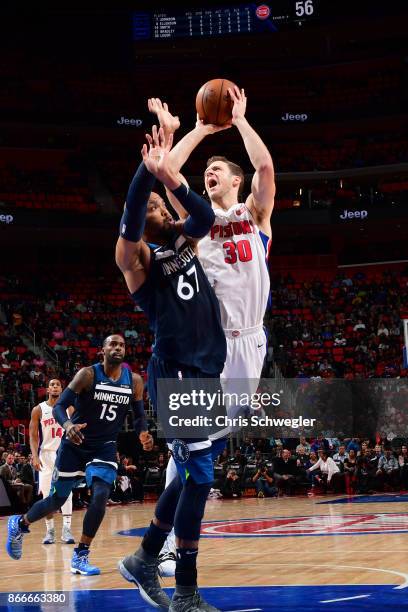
<point>108,413</point>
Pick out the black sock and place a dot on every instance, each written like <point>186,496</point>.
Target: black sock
<point>186,567</point>
<point>23,525</point>
<point>81,546</point>
<point>153,540</point>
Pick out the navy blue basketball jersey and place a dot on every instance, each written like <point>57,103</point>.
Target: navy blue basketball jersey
<point>105,406</point>
<point>182,309</point>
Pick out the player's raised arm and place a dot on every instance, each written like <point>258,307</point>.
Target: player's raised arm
<point>141,428</point>
<point>82,381</point>
<point>132,253</point>
<point>183,149</point>
<point>201,216</point>
<point>35,436</point>
<point>261,200</point>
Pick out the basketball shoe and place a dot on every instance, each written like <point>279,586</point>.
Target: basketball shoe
<point>49,537</point>
<point>15,533</point>
<point>80,564</point>
<point>66,536</point>
<point>141,569</point>
<point>191,602</point>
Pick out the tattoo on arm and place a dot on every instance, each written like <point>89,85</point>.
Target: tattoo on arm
<point>82,381</point>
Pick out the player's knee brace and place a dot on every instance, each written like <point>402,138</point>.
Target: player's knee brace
<point>167,504</point>
<point>45,506</point>
<point>190,510</point>
<point>96,509</point>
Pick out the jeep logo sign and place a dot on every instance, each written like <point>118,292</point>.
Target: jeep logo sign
<point>132,122</point>
<point>291,117</point>
<point>355,214</point>
<point>6,219</point>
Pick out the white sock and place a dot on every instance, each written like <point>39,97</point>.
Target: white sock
<point>66,520</point>
<point>49,524</point>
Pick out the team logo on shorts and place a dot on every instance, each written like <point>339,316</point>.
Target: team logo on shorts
<point>180,450</point>
<point>55,474</point>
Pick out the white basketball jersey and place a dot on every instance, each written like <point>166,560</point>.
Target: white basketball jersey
<point>51,430</point>
<point>234,257</point>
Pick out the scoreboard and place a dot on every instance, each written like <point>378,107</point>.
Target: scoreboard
<point>251,18</point>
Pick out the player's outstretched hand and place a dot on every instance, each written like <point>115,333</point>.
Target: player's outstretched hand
<point>37,465</point>
<point>210,128</point>
<point>170,123</point>
<point>155,156</point>
<point>146,440</point>
<point>74,434</point>
<point>239,100</point>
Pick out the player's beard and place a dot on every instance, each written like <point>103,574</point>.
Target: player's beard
<point>112,361</point>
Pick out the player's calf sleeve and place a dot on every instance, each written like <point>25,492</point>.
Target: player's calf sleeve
<point>45,506</point>
<point>190,510</point>
<point>168,500</point>
<point>96,509</point>
<point>155,537</point>
<point>133,219</point>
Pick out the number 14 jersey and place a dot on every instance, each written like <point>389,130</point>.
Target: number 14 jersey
<point>234,256</point>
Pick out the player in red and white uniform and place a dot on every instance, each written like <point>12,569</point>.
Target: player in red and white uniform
<point>44,454</point>
<point>234,254</point>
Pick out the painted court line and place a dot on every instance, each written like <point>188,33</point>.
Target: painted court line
<point>345,598</point>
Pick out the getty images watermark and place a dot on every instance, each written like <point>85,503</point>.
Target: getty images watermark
<point>195,408</point>
<point>285,408</point>
<point>251,405</point>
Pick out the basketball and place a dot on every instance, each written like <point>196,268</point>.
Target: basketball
<point>213,102</point>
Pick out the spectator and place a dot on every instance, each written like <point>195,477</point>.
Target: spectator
<point>363,471</point>
<point>238,459</point>
<point>327,472</point>
<point>286,472</point>
<point>350,471</point>
<point>248,448</point>
<point>354,445</point>
<point>8,474</point>
<point>231,487</point>
<point>264,482</point>
<point>359,326</point>
<point>388,470</point>
<point>9,436</point>
<point>304,444</point>
<point>320,443</point>
<point>340,457</point>
<point>403,465</point>
<point>223,458</point>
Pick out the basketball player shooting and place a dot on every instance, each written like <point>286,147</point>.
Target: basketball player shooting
<point>168,282</point>
<point>102,395</point>
<point>44,455</point>
<point>233,254</point>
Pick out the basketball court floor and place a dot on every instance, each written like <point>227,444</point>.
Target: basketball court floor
<point>321,554</point>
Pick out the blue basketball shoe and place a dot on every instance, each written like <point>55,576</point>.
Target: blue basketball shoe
<point>15,533</point>
<point>80,564</point>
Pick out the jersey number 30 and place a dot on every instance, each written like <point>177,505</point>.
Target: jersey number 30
<point>237,250</point>
<point>185,290</point>
<point>108,413</point>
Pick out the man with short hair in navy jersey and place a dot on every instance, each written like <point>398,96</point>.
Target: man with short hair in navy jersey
<point>168,282</point>
<point>102,395</point>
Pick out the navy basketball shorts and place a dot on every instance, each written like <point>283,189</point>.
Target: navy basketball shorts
<point>74,463</point>
<point>192,456</point>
